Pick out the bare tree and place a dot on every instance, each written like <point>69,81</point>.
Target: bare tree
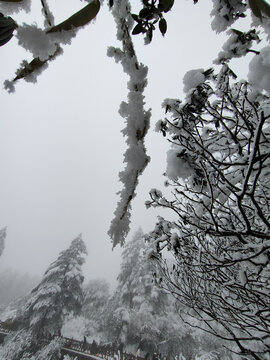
<point>219,169</point>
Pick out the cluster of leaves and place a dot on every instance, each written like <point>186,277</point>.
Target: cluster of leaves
<point>150,15</point>
<point>7,26</point>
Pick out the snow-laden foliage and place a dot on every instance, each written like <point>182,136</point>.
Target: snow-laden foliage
<point>96,295</point>
<point>225,13</point>
<point>67,357</point>
<point>139,314</point>
<point>21,346</point>
<point>238,44</point>
<point>18,346</point>
<point>90,323</point>
<point>80,327</point>
<point>10,7</point>
<point>2,240</point>
<point>44,43</point>
<point>136,117</point>
<point>49,351</point>
<point>259,70</point>
<point>58,295</point>
<point>219,169</point>
<point>143,317</point>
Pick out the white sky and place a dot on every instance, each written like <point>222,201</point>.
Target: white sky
<point>60,140</point>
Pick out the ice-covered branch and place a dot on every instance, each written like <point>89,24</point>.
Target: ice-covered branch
<point>137,121</point>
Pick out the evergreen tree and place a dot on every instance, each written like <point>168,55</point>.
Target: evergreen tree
<point>90,323</point>
<point>96,297</point>
<point>139,313</point>
<point>59,294</point>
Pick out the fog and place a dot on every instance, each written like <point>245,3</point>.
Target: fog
<point>61,146</point>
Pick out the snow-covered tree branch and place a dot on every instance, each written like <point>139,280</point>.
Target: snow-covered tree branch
<point>137,120</point>
<point>218,167</point>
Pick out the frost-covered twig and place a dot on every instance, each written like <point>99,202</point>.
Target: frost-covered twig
<point>49,18</point>
<point>137,121</point>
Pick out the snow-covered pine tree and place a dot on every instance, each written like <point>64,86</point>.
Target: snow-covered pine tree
<point>58,294</point>
<point>96,297</point>
<point>141,314</point>
<point>90,323</point>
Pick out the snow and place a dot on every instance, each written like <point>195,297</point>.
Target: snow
<point>155,194</point>
<point>15,7</point>
<point>67,357</point>
<point>41,44</point>
<point>176,166</point>
<point>223,13</point>
<point>76,352</point>
<point>76,328</point>
<point>192,79</point>
<point>135,156</point>
<point>9,86</point>
<point>259,70</point>
<point>235,46</point>
<point>48,351</point>
<point>136,119</point>
<point>48,15</point>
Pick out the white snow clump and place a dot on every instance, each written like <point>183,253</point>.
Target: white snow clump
<point>9,86</point>
<point>259,70</point>
<point>192,79</point>
<point>176,166</point>
<point>11,7</point>
<point>36,41</point>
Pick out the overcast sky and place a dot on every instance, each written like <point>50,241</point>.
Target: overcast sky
<point>60,139</point>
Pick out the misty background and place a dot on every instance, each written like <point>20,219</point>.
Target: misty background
<point>61,146</point>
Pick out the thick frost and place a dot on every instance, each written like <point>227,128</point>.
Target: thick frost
<point>136,118</point>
